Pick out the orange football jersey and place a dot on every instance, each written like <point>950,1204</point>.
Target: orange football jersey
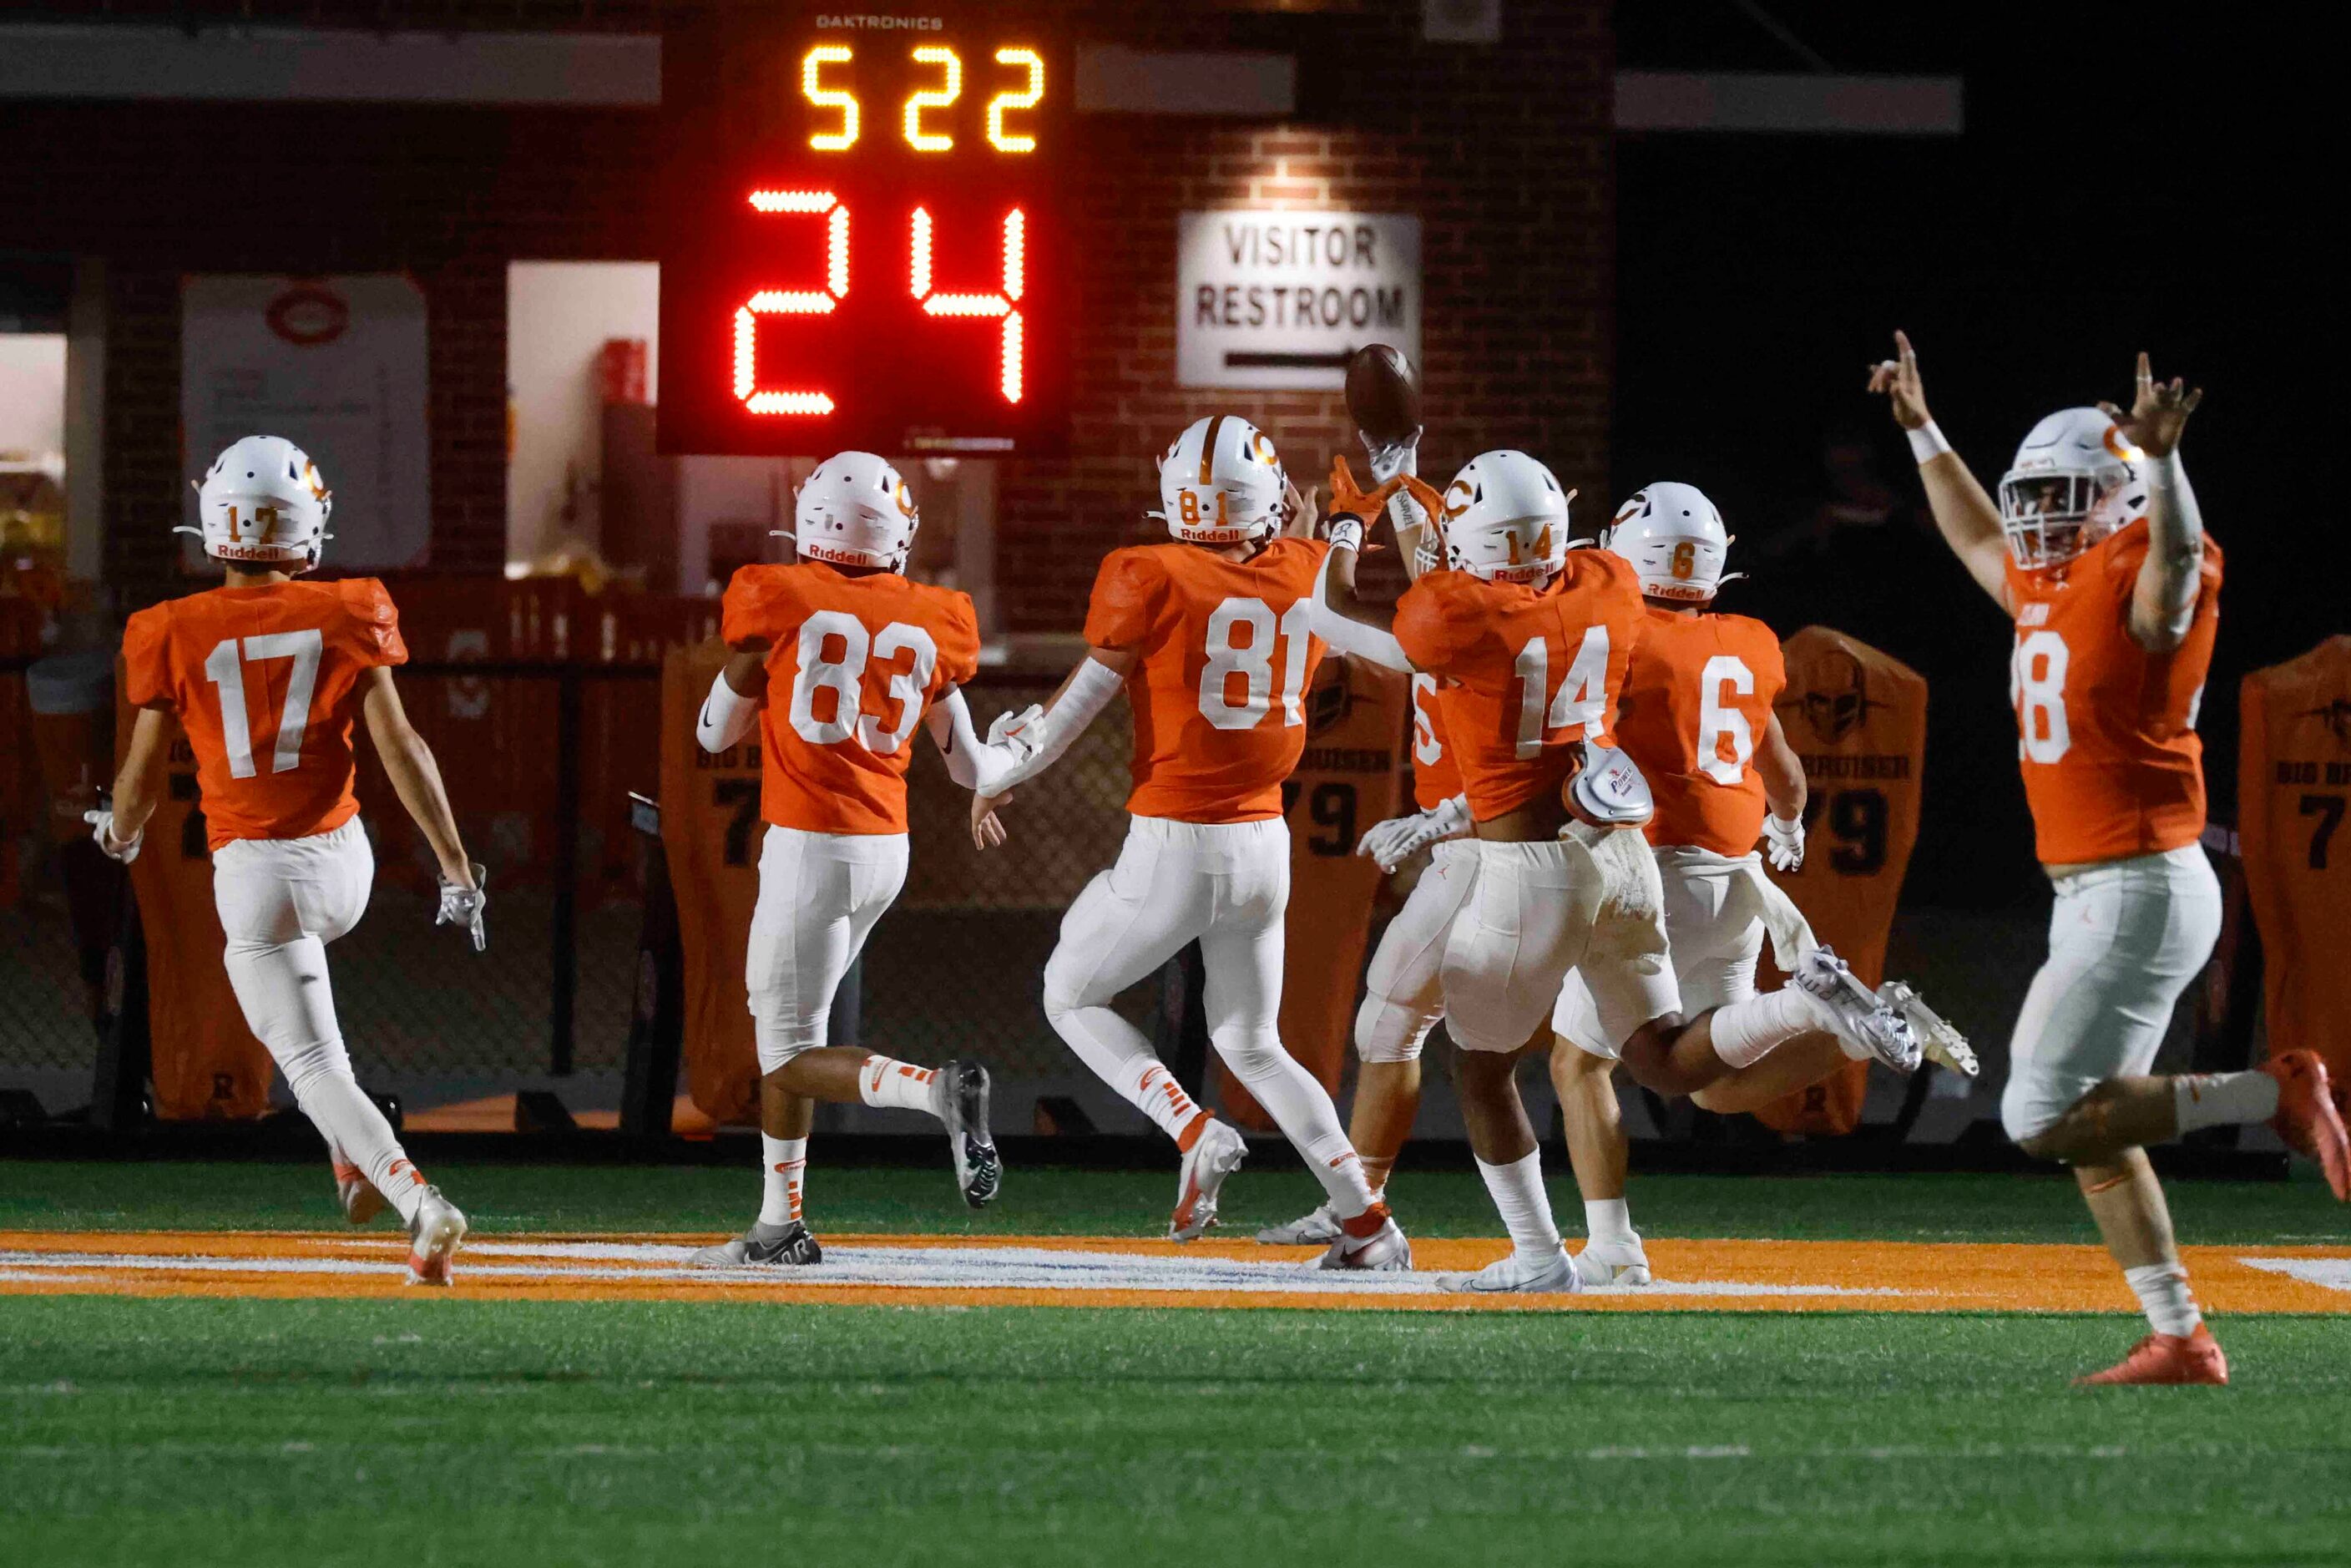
<point>265,681</point>
<point>1697,701</point>
<point>1218,690</point>
<point>1527,670</point>
<point>2105,730</point>
<point>853,663</point>
<point>1434,778</point>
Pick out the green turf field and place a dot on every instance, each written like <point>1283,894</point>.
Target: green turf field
<point>433,1429</point>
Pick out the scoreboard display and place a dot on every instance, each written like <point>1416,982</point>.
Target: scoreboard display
<point>860,245</point>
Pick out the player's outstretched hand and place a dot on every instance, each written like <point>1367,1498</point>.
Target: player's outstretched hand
<point>1023,732</point>
<point>1898,380</point>
<point>101,827</point>
<point>462,904</point>
<point>2158,412</point>
<point>1349,499</point>
<point>986,828</point>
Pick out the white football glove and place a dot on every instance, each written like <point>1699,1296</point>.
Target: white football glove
<point>1021,733</point>
<point>101,823</point>
<point>464,906</point>
<point>1783,839</point>
<point>1387,462</point>
<point>1397,840</point>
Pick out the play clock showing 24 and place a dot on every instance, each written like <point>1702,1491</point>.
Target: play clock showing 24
<point>861,244</point>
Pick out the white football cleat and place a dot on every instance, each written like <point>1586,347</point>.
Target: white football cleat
<point>1937,1041</point>
<point>1215,1154</point>
<point>1518,1274</point>
<point>1383,1251</point>
<point>432,1238</point>
<point>1867,1026</point>
<point>1612,1263</point>
<point>1319,1228</point>
<point>357,1195</point>
<point>959,1095</point>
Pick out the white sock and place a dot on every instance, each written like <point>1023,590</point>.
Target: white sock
<point>787,1163</point>
<point>1120,1056</point>
<point>2162,1290</point>
<point>320,1076</point>
<point>1608,1219</point>
<point>1150,1089</point>
<point>2224,1099</point>
<point>1517,1192</point>
<point>1744,1033</point>
<point>1301,1108</point>
<point>895,1085</point>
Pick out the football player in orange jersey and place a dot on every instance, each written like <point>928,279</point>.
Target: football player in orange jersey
<point>265,676</point>
<point>1207,636</point>
<point>1402,1000</point>
<point>854,656</point>
<point>1532,645</point>
<point>2097,550</point>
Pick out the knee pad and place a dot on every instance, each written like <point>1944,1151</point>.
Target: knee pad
<point>1389,1031</point>
<point>2023,1115</point>
<point>1254,1054</point>
<point>780,1040</point>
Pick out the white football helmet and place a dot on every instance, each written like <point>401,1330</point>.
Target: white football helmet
<point>1675,539</point>
<point>262,500</point>
<point>855,510</point>
<point>1506,519</point>
<point>2076,479</point>
<point>1220,483</point>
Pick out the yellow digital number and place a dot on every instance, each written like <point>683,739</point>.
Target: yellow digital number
<point>823,97</point>
<point>949,90</point>
<point>998,138</point>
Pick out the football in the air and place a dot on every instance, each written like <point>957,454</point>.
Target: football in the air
<point>1382,398</point>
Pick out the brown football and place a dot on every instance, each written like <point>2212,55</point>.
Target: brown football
<point>1382,398</point>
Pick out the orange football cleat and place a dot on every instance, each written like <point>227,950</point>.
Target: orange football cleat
<point>2307,1117</point>
<point>2167,1358</point>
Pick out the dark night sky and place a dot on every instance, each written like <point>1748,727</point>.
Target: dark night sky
<point>2114,190</point>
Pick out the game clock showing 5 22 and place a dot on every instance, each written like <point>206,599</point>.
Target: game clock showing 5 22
<point>862,244</point>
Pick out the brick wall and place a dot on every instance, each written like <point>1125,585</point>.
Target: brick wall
<point>1502,151</point>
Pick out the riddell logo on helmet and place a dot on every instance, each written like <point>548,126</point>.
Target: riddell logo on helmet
<point>827,553</point>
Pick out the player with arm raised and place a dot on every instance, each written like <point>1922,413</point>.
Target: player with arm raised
<point>836,658</point>
<point>265,676</point>
<point>2096,549</point>
<point>1207,636</point>
<point>1532,643</point>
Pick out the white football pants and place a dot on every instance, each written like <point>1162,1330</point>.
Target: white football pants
<point>1536,911</point>
<point>2125,938</point>
<point>1403,990</point>
<point>820,894</point>
<point>281,900</point>
<point>1226,886</point>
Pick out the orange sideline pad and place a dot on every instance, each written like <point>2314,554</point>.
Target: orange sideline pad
<point>1102,1272</point>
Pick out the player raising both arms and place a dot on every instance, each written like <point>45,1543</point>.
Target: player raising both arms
<point>265,676</point>
<point>1531,644</point>
<point>2096,549</point>
<point>850,656</point>
<point>1208,637</point>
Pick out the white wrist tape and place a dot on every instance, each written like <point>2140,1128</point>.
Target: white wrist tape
<point>1346,636</point>
<point>1347,532</point>
<point>2165,473</point>
<point>1926,443</point>
<point>726,716</point>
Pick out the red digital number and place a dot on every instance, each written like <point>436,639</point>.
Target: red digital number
<point>791,302</point>
<point>1003,304</point>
